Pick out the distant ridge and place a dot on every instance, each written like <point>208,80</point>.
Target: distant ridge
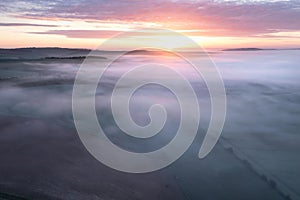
<point>57,53</point>
<point>258,49</point>
<point>74,58</point>
<point>46,48</point>
<point>45,53</point>
<point>246,49</point>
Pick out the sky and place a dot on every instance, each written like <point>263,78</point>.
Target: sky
<point>211,23</point>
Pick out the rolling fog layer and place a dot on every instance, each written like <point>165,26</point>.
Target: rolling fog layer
<point>257,156</point>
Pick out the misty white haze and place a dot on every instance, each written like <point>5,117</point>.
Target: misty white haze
<point>257,156</point>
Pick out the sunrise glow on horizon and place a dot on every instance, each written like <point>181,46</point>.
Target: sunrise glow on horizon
<point>210,23</point>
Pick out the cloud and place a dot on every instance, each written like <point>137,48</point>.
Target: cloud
<point>80,33</point>
<point>233,18</point>
<point>26,24</point>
